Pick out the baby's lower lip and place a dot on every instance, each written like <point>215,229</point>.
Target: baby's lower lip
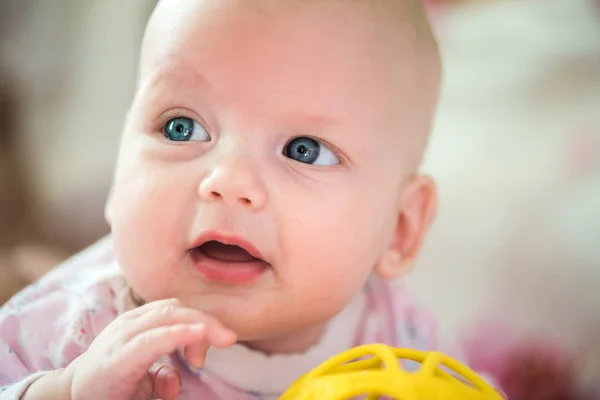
<point>228,272</point>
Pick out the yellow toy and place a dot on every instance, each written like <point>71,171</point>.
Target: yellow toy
<point>374,371</point>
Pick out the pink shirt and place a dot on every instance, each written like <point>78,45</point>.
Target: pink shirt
<point>53,321</point>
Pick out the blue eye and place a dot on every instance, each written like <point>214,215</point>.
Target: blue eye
<point>182,129</point>
<point>309,151</point>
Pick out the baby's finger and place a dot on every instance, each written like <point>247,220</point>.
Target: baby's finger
<point>143,350</point>
<point>166,382</point>
<point>218,335</point>
<point>165,315</point>
<point>171,314</point>
<point>196,353</point>
<point>142,310</point>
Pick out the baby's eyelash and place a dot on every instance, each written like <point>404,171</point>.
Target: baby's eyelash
<point>159,125</point>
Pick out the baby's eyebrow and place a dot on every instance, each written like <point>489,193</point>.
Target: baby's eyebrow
<point>312,120</point>
<point>169,76</point>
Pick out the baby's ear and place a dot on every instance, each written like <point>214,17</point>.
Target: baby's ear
<point>416,211</point>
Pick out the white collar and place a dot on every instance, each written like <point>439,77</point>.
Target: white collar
<point>271,375</point>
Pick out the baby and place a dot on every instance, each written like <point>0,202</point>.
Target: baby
<point>266,194</point>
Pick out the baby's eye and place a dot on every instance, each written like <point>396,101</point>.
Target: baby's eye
<point>182,129</point>
<point>309,151</point>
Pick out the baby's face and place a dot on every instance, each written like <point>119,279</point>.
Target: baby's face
<point>274,130</point>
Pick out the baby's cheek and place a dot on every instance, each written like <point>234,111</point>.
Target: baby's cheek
<point>334,254</point>
<point>327,285</point>
<point>147,238</point>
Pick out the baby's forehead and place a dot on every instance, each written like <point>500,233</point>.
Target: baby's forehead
<point>406,14</point>
<point>172,33</point>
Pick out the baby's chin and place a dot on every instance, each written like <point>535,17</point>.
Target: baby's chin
<point>271,326</point>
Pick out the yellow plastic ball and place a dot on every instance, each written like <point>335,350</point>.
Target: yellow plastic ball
<point>374,371</point>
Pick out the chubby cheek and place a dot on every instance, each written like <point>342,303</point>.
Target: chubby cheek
<point>333,244</point>
<point>147,229</point>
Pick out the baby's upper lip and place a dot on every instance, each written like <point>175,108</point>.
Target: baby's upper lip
<point>231,240</point>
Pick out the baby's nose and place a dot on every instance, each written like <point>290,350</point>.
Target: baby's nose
<point>234,184</point>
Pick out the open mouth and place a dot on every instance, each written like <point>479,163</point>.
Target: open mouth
<point>228,253</point>
<point>228,261</point>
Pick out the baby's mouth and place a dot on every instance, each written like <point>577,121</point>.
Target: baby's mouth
<point>225,252</point>
<point>228,263</point>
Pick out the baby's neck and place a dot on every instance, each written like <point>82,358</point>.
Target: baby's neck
<point>290,344</point>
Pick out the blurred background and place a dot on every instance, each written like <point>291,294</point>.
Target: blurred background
<point>516,152</point>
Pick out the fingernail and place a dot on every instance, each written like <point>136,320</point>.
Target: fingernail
<point>197,363</point>
<point>228,339</point>
<point>233,337</point>
<point>195,360</point>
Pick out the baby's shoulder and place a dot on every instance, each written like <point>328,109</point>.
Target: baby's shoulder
<point>401,319</point>
<point>56,318</point>
<point>82,278</point>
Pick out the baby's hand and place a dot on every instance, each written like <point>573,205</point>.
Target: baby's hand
<point>119,363</point>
